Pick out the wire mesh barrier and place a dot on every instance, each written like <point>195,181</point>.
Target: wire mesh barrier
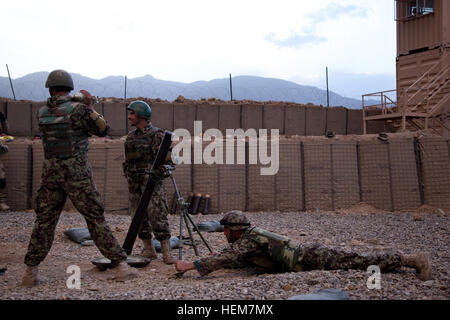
<point>18,162</point>
<point>289,119</point>
<point>405,183</point>
<point>436,178</point>
<point>314,173</point>
<point>318,178</point>
<point>344,166</point>
<point>289,184</point>
<point>376,183</point>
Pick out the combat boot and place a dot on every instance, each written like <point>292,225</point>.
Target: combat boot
<point>165,249</point>
<point>420,262</point>
<point>149,250</point>
<point>125,272</point>
<point>30,277</point>
<point>3,205</point>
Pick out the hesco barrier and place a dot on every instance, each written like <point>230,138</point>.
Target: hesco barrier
<point>18,166</point>
<point>289,118</point>
<point>314,173</point>
<point>436,170</point>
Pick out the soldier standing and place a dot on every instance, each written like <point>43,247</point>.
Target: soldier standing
<point>3,150</point>
<point>141,147</point>
<point>273,252</point>
<point>65,126</point>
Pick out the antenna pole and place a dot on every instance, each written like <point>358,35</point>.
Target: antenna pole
<point>10,82</point>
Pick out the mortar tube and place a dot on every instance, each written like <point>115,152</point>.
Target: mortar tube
<point>196,203</point>
<point>190,202</point>
<point>207,199</point>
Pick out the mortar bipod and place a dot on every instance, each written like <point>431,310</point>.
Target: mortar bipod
<point>185,218</point>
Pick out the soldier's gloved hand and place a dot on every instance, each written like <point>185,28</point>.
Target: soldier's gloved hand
<point>165,171</point>
<point>2,117</point>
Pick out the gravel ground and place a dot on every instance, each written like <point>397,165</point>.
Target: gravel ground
<point>362,231</point>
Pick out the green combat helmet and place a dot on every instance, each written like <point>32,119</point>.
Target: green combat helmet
<point>59,78</point>
<point>141,108</point>
<point>235,220</point>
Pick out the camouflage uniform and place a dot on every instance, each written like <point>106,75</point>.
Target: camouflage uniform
<point>275,253</point>
<point>141,148</point>
<point>3,150</point>
<point>66,126</point>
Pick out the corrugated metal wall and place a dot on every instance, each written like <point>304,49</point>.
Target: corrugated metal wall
<point>421,42</point>
<point>423,31</point>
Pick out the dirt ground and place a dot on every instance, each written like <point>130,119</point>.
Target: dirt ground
<point>361,228</point>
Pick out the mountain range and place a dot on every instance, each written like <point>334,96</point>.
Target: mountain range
<point>32,87</point>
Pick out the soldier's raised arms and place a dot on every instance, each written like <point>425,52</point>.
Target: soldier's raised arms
<point>66,124</point>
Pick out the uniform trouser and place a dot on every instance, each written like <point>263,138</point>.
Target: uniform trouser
<point>2,182</point>
<point>315,256</point>
<point>155,219</point>
<point>50,202</point>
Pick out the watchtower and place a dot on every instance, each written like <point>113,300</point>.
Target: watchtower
<point>422,68</point>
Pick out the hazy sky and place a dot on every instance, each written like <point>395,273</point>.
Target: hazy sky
<point>191,40</point>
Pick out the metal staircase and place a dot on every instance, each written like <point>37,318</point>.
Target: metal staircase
<point>424,105</point>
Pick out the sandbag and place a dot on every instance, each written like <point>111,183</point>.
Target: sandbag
<point>323,294</point>
<point>134,261</point>
<point>174,243</point>
<point>210,226</point>
<point>78,234</point>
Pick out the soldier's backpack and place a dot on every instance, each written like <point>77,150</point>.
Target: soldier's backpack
<point>283,253</point>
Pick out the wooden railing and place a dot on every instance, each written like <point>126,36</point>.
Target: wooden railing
<point>428,85</point>
<point>387,103</point>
